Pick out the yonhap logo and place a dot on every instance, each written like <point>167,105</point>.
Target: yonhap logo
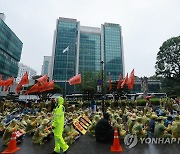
<point>130,140</point>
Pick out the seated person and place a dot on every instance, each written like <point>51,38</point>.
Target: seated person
<point>159,128</point>
<point>104,132</point>
<point>168,121</point>
<point>41,133</point>
<point>92,127</point>
<point>70,134</point>
<point>2,127</point>
<point>138,128</point>
<point>31,125</point>
<point>8,131</point>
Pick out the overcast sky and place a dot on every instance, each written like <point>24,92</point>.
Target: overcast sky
<point>146,24</point>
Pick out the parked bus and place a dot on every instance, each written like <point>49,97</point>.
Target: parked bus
<point>159,95</point>
<point>141,95</point>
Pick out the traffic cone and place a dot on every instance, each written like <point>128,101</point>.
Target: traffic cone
<point>116,147</point>
<point>12,144</point>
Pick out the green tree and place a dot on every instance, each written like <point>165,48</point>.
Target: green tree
<point>168,65</point>
<point>89,83</point>
<point>168,59</point>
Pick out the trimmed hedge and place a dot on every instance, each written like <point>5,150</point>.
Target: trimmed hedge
<point>140,102</point>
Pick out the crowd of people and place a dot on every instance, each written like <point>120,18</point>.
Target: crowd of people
<point>36,119</point>
<point>148,121</point>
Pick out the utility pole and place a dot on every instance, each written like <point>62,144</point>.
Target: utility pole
<point>102,78</point>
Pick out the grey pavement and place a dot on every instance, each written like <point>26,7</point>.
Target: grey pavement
<point>87,144</point>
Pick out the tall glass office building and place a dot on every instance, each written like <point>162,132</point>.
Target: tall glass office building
<point>112,50</point>
<point>88,47</point>
<point>10,51</point>
<point>63,63</point>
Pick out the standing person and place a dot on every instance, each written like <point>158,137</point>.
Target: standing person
<point>93,106</point>
<point>58,127</point>
<point>53,103</point>
<point>119,102</point>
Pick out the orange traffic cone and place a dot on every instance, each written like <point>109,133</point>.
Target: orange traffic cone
<point>12,144</point>
<point>116,147</point>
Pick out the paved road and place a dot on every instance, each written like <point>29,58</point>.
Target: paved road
<point>87,145</point>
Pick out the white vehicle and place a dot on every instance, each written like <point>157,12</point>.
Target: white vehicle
<point>159,95</point>
<point>109,96</point>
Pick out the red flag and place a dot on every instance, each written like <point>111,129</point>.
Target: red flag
<point>18,88</point>
<point>75,80</point>
<point>34,88</point>
<point>8,83</point>
<point>119,82</point>
<point>50,85</point>
<point>24,80</point>
<point>2,83</point>
<point>124,81</point>
<point>43,79</point>
<point>47,86</point>
<point>110,83</point>
<point>131,80</point>
<point>42,87</point>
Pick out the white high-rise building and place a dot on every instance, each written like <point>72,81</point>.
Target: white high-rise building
<point>23,69</point>
<point>46,67</point>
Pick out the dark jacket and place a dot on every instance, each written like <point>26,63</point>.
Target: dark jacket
<point>104,132</point>
<point>152,125</point>
<point>92,103</point>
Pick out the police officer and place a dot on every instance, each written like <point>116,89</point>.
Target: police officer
<point>58,127</point>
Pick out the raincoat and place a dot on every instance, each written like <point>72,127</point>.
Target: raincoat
<point>58,126</point>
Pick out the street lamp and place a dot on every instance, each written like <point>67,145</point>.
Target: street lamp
<point>85,56</point>
<point>102,78</point>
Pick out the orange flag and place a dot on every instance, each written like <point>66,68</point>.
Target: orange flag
<point>50,85</point>
<point>124,81</point>
<point>8,83</point>
<point>110,83</point>
<point>119,82</point>
<point>34,88</point>
<point>42,87</point>
<point>1,83</point>
<point>47,86</point>
<point>131,80</point>
<point>75,80</point>
<point>43,79</point>
<point>24,80</point>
